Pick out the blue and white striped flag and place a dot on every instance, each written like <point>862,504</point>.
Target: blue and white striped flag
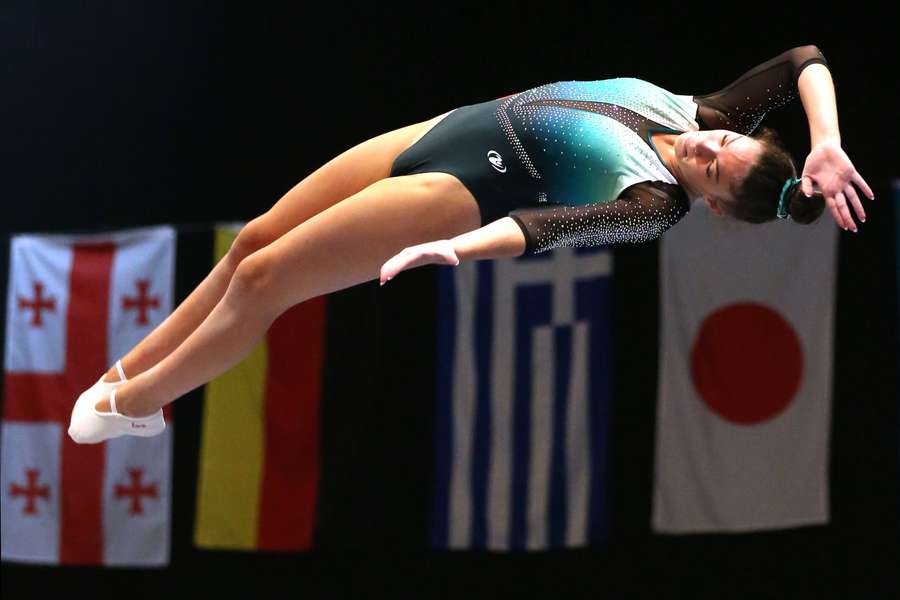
<point>523,387</point>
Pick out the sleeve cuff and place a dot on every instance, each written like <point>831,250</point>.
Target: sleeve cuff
<point>529,241</point>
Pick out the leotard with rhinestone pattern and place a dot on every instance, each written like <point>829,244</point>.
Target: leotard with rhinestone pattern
<point>583,141</point>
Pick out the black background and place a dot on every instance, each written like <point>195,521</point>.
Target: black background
<point>119,114</point>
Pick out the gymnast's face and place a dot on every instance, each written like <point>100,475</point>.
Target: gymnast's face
<point>711,162</point>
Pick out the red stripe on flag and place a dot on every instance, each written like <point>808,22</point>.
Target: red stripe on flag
<point>81,539</point>
<point>293,390</point>
<point>40,398</point>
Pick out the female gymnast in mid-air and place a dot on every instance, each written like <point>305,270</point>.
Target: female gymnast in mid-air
<point>570,163</point>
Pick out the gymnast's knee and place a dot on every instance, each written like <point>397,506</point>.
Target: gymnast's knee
<point>252,278</point>
<point>252,237</point>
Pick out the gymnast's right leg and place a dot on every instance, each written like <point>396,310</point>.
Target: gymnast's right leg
<point>341,177</point>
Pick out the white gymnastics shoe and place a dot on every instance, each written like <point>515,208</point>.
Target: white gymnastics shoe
<point>89,399</point>
<point>89,426</point>
<point>121,372</point>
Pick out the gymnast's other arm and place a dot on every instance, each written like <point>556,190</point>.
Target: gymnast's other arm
<point>801,71</point>
<point>500,239</point>
<point>640,213</point>
<point>827,164</point>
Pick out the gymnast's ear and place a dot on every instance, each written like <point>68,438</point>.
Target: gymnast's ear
<point>713,204</point>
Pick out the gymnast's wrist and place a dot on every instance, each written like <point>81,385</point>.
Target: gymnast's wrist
<point>499,239</point>
<point>829,138</point>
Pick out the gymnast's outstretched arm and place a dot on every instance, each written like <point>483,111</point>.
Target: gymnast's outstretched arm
<point>640,213</point>
<point>827,165</point>
<point>801,71</point>
<point>499,239</point>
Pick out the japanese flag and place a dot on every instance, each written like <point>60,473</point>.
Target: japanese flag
<point>75,304</point>
<point>744,397</point>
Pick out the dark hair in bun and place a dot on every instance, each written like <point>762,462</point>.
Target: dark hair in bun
<point>755,199</point>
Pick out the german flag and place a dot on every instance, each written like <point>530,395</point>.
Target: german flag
<point>258,472</point>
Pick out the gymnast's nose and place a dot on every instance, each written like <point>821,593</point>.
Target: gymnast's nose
<point>706,147</point>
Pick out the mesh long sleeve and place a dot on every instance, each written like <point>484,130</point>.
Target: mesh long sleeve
<point>640,213</point>
<point>741,105</point>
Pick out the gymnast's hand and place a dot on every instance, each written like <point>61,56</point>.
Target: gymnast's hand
<point>829,167</point>
<point>440,252</point>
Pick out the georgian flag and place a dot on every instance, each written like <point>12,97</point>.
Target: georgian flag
<point>744,397</point>
<point>75,304</point>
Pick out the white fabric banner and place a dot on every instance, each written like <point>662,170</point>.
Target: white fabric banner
<point>744,399</point>
<point>75,304</point>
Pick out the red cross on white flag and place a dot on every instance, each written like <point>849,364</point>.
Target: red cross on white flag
<point>75,304</point>
<point>38,304</point>
<point>136,492</point>
<point>31,492</point>
<point>142,303</point>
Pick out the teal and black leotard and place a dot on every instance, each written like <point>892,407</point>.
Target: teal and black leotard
<point>573,162</point>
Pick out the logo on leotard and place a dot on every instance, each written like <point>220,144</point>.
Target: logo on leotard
<point>496,161</point>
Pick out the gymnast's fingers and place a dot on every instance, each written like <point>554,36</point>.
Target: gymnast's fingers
<point>858,180</point>
<point>845,212</point>
<point>850,193</point>
<point>832,206</point>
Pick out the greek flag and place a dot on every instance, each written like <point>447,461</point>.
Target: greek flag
<point>522,401</point>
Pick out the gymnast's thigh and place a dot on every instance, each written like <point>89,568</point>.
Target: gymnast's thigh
<point>341,177</point>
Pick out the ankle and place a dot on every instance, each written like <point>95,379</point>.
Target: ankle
<point>132,407</point>
<point>115,373</point>
<point>111,376</point>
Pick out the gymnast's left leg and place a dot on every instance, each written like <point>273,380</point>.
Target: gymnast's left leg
<point>344,245</point>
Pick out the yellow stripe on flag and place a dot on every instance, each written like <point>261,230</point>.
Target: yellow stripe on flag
<point>232,449</point>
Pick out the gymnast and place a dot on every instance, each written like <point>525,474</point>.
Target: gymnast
<point>570,163</point>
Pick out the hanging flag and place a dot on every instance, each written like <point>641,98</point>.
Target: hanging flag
<point>522,397</point>
<point>744,396</point>
<point>258,475</point>
<point>75,304</point>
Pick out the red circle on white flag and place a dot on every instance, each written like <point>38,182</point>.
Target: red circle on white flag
<point>746,363</point>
